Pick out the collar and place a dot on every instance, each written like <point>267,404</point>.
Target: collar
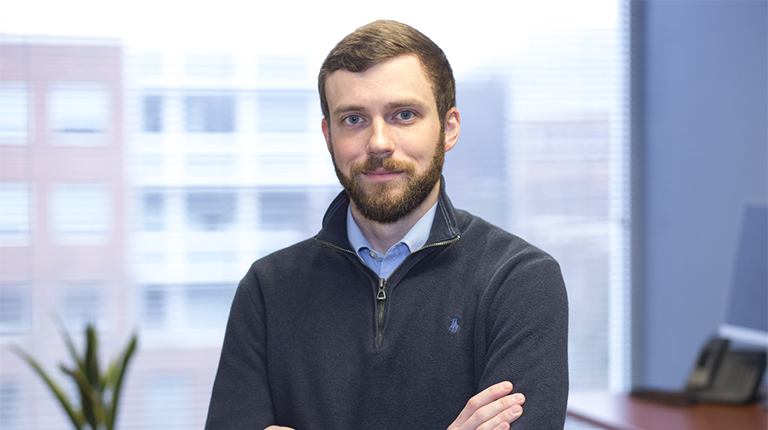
<point>445,226</point>
<point>415,238</point>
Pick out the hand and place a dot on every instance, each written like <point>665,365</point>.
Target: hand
<point>492,409</point>
<point>278,428</point>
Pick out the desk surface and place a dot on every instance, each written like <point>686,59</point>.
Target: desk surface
<point>624,412</point>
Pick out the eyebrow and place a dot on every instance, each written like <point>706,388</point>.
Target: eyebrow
<point>393,105</point>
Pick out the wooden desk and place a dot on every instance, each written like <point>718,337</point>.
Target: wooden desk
<point>624,412</point>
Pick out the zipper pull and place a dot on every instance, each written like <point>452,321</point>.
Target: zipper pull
<point>382,295</point>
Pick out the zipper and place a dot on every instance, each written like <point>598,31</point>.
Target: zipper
<point>381,298</point>
<point>381,294</point>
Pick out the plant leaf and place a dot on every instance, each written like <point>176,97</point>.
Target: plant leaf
<point>77,419</point>
<point>121,366</point>
<point>86,394</point>
<point>92,357</point>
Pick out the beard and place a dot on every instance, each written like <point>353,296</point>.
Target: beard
<point>384,202</point>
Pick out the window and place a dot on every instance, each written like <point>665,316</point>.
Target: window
<point>153,212</point>
<point>225,162</point>
<point>14,113</point>
<point>284,210</point>
<point>210,114</point>
<point>14,308</point>
<point>153,114</point>
<point>211,210</point>
<point>81,209</point>
<point>14,213</point>
<point>185,308</point>
<point>284,112</point>
<point>155,309</point>
<point>10,404</point>
<point>80,305</point>
<point>208,305</point>
<point>166,403</point>
<point>79,110</point>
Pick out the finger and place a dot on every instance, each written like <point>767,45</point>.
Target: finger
<point>497,415</point>
<point>482,399</point>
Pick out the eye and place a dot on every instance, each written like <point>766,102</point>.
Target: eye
<point>352,120</point>
<point>406,115</point>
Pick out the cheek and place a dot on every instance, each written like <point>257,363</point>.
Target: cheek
<point>421,149</point>
<point>344,155</point>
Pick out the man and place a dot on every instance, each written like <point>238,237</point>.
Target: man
<point>403,312</point>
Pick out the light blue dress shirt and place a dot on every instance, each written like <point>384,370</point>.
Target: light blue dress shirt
<point>385,264</point>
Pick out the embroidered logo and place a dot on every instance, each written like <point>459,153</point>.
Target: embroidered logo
<point>454,325</point>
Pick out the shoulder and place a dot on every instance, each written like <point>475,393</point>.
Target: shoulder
<point>513,264</point>
<point>489,240</point>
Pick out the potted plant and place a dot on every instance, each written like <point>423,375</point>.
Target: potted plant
<point>99,390</point>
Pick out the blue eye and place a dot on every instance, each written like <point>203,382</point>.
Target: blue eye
<point>352,119</point>
<point>406,115</point>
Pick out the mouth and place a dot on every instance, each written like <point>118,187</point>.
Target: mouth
<point>381,175</point>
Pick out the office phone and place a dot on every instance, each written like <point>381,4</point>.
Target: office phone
<point>725,375</point>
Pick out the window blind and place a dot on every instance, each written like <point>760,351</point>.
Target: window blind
<point>138,181</point>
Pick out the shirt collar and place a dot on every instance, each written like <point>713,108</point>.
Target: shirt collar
<point>415,238</point>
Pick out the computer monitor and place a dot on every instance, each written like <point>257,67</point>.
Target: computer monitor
<point>746,313</point>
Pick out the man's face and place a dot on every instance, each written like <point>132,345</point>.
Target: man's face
<point>385,137</point>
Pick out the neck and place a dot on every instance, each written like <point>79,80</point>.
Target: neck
<point>382,236</point>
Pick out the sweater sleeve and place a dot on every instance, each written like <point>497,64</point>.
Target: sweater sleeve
<point>526,339</point>
<point>241,397</point>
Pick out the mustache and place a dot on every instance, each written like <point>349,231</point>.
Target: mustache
<point>373,163</point>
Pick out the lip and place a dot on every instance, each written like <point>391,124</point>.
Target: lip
<point>381,175</point>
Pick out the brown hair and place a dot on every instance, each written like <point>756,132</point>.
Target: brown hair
<point>380,40</point>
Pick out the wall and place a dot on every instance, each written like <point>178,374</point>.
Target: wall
<point>703,138</point>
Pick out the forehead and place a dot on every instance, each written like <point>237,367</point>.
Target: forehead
<point>391,81</point>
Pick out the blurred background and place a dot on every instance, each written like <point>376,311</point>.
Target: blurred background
<point>151,150</point>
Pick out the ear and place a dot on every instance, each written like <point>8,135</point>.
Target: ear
<point>327,133</point>
<point>452,128</point>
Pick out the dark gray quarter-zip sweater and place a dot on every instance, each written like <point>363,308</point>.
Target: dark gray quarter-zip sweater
<point>316,341</point>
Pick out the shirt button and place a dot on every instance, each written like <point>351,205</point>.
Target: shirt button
<point>371,253</point>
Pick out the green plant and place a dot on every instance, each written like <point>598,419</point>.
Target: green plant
<point>99,391</point>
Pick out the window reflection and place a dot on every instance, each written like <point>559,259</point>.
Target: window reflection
<point>209,114</point>
<point>14,308</point>
<point>284,112</point>
<point>81,209</point>
<point>76,109</point>
<point>211,210</point>
<point>81,305</point>
<point>223,171</point>
<point>152,114</point>
<point>14,211</point>
<point>14,113</point>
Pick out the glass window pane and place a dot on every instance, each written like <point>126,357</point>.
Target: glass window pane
<point>211,211</point>
<point>14,308</point>
<point>80,305</point>
<point>284,112</point>
<point>14,209</point>
<point>81,209</point>
<point>154,211</point>
<point>14,112</point>
<point>208,305</point>
<point>165,403</point>
<point>10,404</point>
<point>284,210</point>
<point>80,110</point>
<point>155,312</point>
<point>153,114</point>
<point>210,114</point>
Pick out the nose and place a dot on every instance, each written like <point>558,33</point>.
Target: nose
<point>381,140</point>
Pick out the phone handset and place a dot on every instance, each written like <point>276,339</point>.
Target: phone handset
<point>703,373</point>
